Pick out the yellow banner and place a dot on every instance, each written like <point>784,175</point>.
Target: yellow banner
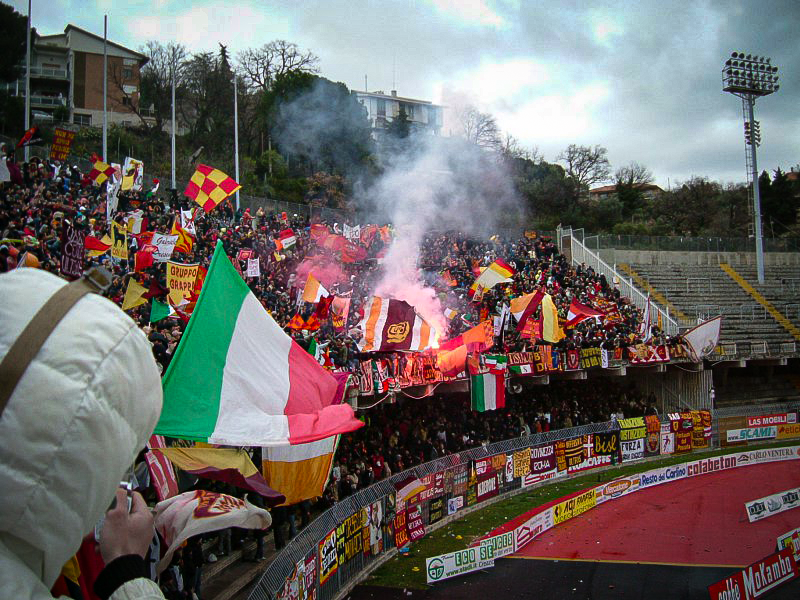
<point>119,241</point>
<point>789,430</point>
<point>563,511</point>
<point>181,279</point>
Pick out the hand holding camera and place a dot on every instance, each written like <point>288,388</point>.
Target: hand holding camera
<point>128,527</point>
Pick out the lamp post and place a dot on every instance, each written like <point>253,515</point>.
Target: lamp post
<point>749,77</point>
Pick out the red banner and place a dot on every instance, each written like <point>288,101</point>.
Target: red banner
<point>488,486</point>
<point>161,470</point>
<point>758,579</point>
<point>642,354</point>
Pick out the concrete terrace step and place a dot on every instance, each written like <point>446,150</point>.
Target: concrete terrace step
<point>707,290</point>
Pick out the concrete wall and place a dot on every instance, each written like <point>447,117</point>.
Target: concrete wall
<point>658,257</point>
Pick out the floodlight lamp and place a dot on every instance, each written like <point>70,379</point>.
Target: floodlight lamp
<point>777,87</point>
<point>768,59</point>
<point>733,55</point>
<point>728,63</point>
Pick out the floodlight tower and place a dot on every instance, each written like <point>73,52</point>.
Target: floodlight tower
<point>749,77</point>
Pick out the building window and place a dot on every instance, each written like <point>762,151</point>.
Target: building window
<point>381,107</point>
<point>82,120</point>
<point>127,73</point>
<point>126,101</point>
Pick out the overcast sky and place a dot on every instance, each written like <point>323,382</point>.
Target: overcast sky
<point>640,78</point>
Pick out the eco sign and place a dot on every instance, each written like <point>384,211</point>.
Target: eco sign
<point>445,566</point>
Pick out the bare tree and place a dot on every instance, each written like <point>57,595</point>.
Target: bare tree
<point>260,66</point>
<point>585,165</point>
<point>155,83</point>
<point>479,128</point>
<point>511,148</point>
<point>634,174</point>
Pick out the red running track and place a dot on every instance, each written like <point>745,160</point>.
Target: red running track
<point>698,521</point>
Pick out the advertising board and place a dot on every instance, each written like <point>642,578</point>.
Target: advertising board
<point>535,525</point>
<point>543,465</point>
<point>445,566</point>
<point>618,487</point>
<point>662,475</point>
<point>757,579</point>
<point>500,545</point>
<point>752,433</point>
<point>568,509</point>
<point>775,419</point>
<point>772,504</point>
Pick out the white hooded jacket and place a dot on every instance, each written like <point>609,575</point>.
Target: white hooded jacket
<point>84,408</point>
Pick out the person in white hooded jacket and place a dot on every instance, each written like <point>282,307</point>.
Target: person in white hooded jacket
<point>71,425</point>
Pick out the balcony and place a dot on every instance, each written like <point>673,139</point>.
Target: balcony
<point>49,73</point>
<point>47,101</point>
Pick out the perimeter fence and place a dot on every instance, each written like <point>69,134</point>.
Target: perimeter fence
<point>339,549</point>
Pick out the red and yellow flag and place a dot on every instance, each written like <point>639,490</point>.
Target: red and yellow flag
<point>101,172</point>
<point>209,186</point>
<point>185,240</point>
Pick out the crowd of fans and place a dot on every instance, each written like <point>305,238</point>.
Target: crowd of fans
<point>43,196</point>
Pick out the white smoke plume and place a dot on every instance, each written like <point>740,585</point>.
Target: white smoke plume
<point>439,184</point>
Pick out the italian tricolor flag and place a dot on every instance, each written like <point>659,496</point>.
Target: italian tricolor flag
<point>487,384</point>
<point>237,379</point>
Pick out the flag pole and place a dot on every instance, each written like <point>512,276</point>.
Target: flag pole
<point>236,137</point>
<point>26,149</point>
<point>105,88</point>
<point>174,52</point>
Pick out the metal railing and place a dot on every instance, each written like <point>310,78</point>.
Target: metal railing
<point>698,284</point>
<point>788,309</point>
<point>332,215</point>
<point>47,101</point>
<point>308,539</point>
<point>580,254</point>
<point>752,311</point>
<point>726,349</point>
<point>790,283</point>
<point>47,72</point>
<point>305,545</point>
<point>694,244</point>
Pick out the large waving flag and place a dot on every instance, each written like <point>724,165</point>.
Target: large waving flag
<point>194,513</point>
<point>209,186</point>
<point>580,312</point>
<point>391,325</point>
<point>644,327</point>
<point>314,290</point>
<point>702,339</point>
<point>237,379</point>
<point>476,339</point>
<point>524,306</point>
<point>497,272</point>
<point>230,465</point>
<point>299,472</point>
<point>551,330</point>
<point>487,385</point>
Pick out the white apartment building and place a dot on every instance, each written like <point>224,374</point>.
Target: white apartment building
<point>383,108</point>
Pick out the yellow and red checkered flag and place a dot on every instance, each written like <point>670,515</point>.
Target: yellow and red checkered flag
<point>101,172</point>
<point>209,186</point>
